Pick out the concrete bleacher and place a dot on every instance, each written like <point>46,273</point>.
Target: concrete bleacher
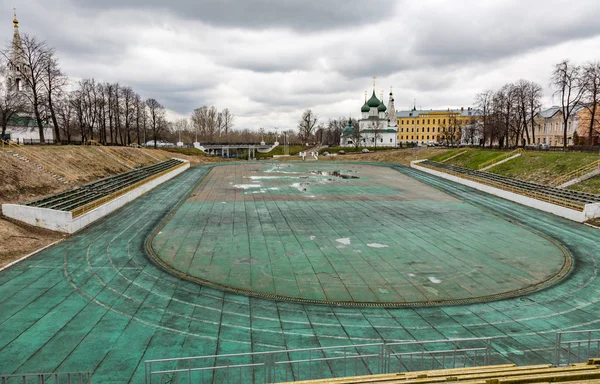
<point>77,208</point>
<point>576,197</point>
<point>493,374</point>
<point>77,197</point>
<point>573,205</point>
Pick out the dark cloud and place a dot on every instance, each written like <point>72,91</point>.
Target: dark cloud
<point>303,15</point>
<point>267,60</point>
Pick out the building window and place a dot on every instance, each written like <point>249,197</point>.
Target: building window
<point>428,121</point>
<point>390,140</point>
<point>427,129</point>
<point>444,121</point>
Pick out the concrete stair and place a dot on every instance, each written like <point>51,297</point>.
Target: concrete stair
<point>39,166</point>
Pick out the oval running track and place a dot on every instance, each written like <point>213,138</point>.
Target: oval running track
<point>95,302</point>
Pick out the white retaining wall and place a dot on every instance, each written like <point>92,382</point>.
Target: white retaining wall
<point>62,221</point>
<point>590,211</point>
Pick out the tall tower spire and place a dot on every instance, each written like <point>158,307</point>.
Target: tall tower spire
<point>374,77</point>
<point>15,66</point>
<point>392,118</point>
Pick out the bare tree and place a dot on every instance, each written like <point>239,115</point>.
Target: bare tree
<point>139,115</point>
<point>12,101</point>
<point>590,83</point>
<point>306,125</point>
<point>54,81</point>
<point>30,61</point>
<point>156,113</point>
<point>534,104</point>
<point>128,97</point>
<point>567,83</point>
<point>483,102</point>
<point>228,118</point>
<point>65,114</point>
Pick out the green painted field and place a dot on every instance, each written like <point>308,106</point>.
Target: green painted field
<point>347,234</point>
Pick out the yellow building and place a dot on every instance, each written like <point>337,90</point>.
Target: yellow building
<point>434,126</point>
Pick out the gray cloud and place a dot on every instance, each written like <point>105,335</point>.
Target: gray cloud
<point>268,60</point>
<point>304,15</point>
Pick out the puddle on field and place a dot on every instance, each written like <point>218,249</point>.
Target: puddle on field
<point>335,174</point>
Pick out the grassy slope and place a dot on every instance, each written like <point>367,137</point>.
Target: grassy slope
<point>538,167</point>
<point>543,167</point>
<point>475,157</point>
<point>590,186</point>
<point>448,154</point>
<point>79,164</point>
<point>22,181</point>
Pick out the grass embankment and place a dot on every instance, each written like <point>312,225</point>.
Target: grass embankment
<point>544,167</point>
<point>532,166</point>
<point>589,186</point>
<point>278,151</point>
<point>473,158</point>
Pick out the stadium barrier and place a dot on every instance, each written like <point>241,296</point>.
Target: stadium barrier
<point>576,346</point>
<point>321,362</point>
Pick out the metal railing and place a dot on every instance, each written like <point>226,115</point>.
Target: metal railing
<point>96,203</point>
<point>438,354</point>
<point>500,157</point>
<point>576,173</point>
<point>320,363</point>
<point>576,346</point>
<point>50,378</point>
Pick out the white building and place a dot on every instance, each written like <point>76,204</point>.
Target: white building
<point>22,128</point>
<point>378,126</point>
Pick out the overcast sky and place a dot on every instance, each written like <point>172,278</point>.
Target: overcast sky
<point>268,60</point>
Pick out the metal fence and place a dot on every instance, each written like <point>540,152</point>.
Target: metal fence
<point>576,346</point>
<point>438,354</point>
<point>50,378</point>
<point>320,363</point>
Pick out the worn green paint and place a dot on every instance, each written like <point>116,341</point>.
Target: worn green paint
<point>95,302</point>
<point>363,249</point>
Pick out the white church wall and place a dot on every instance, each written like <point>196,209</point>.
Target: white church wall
<point>25,134</point>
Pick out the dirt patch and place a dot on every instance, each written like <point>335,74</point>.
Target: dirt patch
<point>30,172</point>
<point>19,239</point>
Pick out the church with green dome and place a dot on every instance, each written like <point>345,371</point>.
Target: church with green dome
<point>378,126</point>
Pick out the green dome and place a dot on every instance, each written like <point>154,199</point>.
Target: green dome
<point>349,130</point>
<point>365,107</point>
<point>382,107</point>
<point>373,101</point>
